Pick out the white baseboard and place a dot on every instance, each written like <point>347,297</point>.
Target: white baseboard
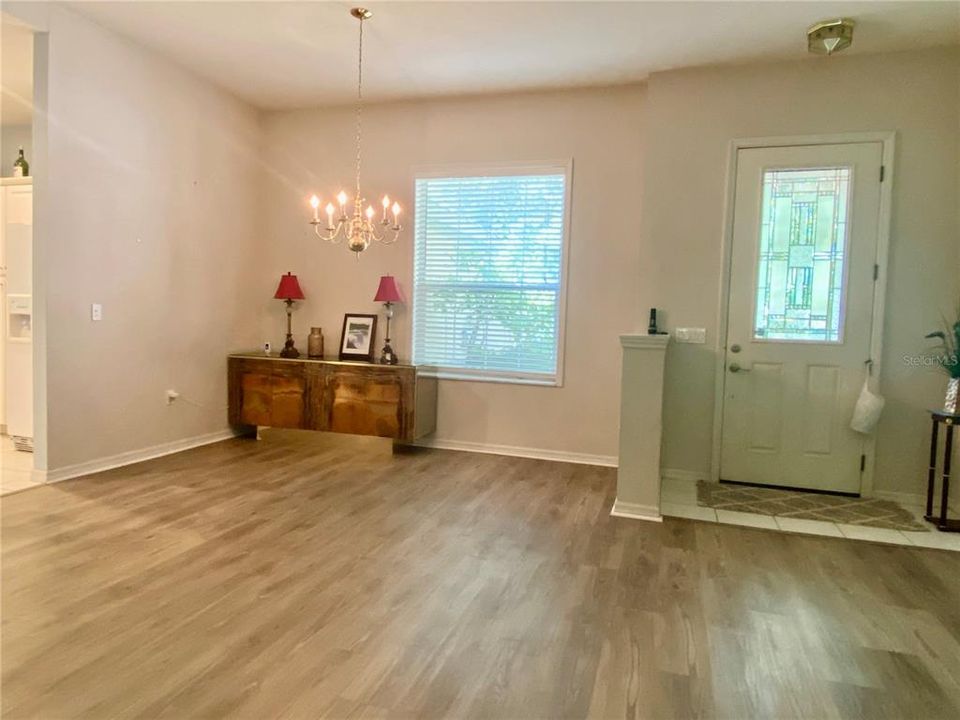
<point>635,511</point>
<point>526,452</point>
<point>134,456</point>
<point>687,475</point>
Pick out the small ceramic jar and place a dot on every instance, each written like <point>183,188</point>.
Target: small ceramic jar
<point>315,343</point>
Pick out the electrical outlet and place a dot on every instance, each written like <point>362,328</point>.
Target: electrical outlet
<point>266,348</point>
<point>697,336</point>
<point>96,312</point>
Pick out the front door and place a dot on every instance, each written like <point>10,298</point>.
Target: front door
<point>800,314</point>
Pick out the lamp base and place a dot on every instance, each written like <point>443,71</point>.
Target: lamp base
<point>289,351</point>
<point>387,355</point>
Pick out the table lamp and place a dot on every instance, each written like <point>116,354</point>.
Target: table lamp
<point>388,293</point>
<point>289,290</point>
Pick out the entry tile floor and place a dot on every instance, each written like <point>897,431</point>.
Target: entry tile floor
<point>678,498</point>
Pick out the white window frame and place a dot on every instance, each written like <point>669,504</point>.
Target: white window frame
<point>556,167</point>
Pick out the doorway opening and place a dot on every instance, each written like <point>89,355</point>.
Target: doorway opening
<point>17,396</point>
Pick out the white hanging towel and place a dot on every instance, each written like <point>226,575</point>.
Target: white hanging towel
<point>869,407</point>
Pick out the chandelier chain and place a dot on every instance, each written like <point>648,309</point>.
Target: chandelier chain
<point>359,200</point>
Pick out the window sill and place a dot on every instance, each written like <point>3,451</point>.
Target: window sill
<point>491,378</point>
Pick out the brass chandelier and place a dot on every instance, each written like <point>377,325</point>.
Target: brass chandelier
<point>360,228</point>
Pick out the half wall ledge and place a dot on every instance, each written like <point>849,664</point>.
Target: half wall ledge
<point>641,427</point>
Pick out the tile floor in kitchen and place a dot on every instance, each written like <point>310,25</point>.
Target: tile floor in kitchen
<point>16,468</point>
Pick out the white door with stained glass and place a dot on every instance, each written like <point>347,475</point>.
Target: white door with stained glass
<point>800,314</point>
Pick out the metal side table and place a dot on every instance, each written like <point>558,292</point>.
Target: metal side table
<point>941,520</point>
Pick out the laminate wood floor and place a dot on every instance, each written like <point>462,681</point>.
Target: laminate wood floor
<point>309,576</point>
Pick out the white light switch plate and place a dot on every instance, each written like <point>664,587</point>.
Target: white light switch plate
<point>696,336</point>
<point>96,311</point>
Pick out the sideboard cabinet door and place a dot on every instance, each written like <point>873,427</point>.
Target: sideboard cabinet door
<point>268,393</point>
<point>369,402</point>
<point>289,395</point>
<point>256,398</point>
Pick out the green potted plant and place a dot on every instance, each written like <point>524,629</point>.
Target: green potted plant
<point>947,356</point>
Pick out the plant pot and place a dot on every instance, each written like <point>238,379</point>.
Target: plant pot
<point>950,401</point>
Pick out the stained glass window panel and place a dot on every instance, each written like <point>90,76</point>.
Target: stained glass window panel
<point>803,247</point>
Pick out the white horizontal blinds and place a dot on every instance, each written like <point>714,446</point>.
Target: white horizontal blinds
<point>487,273</point>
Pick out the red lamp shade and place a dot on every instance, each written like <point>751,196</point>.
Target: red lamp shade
<point>289,288</point>
<point>388,290</point>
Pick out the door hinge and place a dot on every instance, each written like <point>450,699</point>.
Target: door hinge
<point>863,463</point>
<point>883,171</point>
<point>876,272</point>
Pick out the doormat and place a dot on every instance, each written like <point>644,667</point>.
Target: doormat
<point>870,512</point>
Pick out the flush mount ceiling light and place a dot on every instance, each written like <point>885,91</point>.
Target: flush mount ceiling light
<point>360,228</point>
<point>830,36</point>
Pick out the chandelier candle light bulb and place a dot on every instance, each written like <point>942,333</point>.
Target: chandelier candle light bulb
<point>360,229</point>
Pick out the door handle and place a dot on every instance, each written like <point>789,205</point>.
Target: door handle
<point>735,368</point>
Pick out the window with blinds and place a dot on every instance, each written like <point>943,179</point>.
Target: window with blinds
<point>488,274</point>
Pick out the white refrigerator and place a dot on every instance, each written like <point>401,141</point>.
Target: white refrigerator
<point>16,225</point>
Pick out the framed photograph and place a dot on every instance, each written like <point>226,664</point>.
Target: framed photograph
<point>358,337</point>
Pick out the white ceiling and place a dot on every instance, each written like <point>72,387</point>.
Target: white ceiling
<point>281,55</point>
<point>16,73</point>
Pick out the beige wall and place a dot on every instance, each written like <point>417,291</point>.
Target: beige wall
<point>693,114</point>
<point>601,129</point>
<point>148,206</point>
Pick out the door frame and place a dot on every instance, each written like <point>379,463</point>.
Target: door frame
<point>887,139</point>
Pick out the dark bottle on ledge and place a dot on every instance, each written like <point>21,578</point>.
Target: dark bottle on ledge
<point>21,168</point>
<point>652,326</point>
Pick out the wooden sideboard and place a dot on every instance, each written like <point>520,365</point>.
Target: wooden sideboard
<point>391,401</point>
